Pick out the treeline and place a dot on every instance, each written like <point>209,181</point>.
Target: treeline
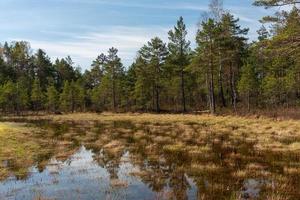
<point>224,71</point>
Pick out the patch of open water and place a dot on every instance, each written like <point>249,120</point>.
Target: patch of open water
<point>150,162</point>
<point>80,177</point>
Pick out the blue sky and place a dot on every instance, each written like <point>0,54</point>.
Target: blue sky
<point>85,28</point>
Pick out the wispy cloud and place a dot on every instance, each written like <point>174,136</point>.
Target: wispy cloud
<point>85,47</point>
<point>85,28</point>
<point>150,5</point>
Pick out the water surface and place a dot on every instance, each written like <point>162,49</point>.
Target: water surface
<point>122,160</point>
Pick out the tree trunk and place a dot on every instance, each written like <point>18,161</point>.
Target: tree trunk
<point>212,94</point>
<point>73,103</point>
<point>208,90</point>
<point>211,85</point>
<point>220,80</point>
<point>114,88</point>
<point>232,87</point>
<point>157,100</point>
<point>248,101</point>
<point>183,91</point>
<point>157,88</point>
<point>153,98</point>
<point>114,95</point>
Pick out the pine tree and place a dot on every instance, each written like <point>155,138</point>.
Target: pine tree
<point>43,68</point>
<point>276,3</point>
<point>281,62</point>
<point>65,100</point>
<point>153,55</point>
<point>22,95</point>
<point>77,96</point>
<point>247,85</point>
<point>231,45</point>
<point>179,49</point>
<point>21,59</point>
<point>97,99</point>
<point>37,95</point>
<point>5,72</point>
<point>52,98</point>
<point>114,71</point>
<point>128,83</point>
<point>95,75</point>
<point>143,89</point>
<point>263,33</point>
<point>207,44</point>
<point>8,97</point>
<point>64,71</point>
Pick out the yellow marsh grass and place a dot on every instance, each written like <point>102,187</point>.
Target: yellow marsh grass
<point>267,133</point>
<point>225,123</point>
<point>197,139</point>
<point>15,146</point>
<point>22,146</point>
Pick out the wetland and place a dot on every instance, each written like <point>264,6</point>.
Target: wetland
<point>144,156</point>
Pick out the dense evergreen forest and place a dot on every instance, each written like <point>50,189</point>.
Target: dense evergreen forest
<point>224,72</point>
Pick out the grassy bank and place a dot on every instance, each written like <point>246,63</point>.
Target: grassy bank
<point>155,118</point>
<point>23,146</point>
<point>267,133</point>
<point>17,148</point>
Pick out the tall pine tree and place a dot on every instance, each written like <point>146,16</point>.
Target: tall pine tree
<point>179,48</point>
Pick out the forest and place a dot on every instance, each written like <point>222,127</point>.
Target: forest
<point>226,71</point>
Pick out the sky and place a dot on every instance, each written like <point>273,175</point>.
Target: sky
<point>84,29</point>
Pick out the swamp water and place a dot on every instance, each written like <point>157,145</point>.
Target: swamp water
<point>123,160</point>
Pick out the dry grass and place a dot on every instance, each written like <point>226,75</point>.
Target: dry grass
<point>23,146</point>
<point>116,183</point>
<point>225,149</point>
<point>227,122</point>
<point>16,149</point>
<point>268,133</point>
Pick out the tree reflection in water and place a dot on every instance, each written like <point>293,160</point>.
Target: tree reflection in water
<point>173,161</point>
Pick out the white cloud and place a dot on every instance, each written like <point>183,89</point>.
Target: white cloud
<point>85,47</point>
<point>150,5</point>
